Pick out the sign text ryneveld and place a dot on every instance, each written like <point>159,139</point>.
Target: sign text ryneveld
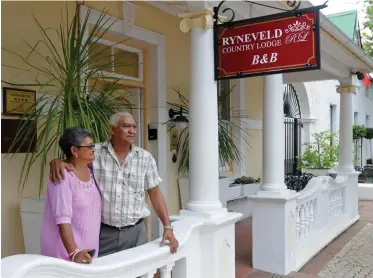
<point>280,44</point>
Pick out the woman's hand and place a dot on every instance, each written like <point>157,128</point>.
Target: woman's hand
<point>83,257</point>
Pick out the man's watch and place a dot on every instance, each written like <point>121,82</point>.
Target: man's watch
<point>169,228</point>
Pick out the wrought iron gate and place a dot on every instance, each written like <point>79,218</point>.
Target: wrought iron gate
<point>293,129</point>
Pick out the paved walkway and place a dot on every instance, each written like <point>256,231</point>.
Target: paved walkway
<point>322,265</point>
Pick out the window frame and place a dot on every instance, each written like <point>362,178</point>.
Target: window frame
<point>127,48</point>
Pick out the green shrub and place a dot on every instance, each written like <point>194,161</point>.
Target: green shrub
<point>358,132</point>
<point>321,153</point>
<point>369,133</point>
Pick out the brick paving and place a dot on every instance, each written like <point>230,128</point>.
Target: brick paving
<point>355,260</point>
<point>317,264</point>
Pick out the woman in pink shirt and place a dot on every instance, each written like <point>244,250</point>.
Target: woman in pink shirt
<point>72,214</point>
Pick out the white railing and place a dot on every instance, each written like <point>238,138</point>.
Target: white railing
<point>324,209</point>
<point>194,258</point>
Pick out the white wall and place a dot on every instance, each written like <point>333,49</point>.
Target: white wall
<point>322,94</point>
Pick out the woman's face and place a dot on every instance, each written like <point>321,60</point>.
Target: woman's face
<point>86,150</point>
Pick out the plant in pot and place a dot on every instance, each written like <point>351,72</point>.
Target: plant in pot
<point>320,155</point>
<point>70,75</point>
<point>228,149</point>
<point>358,133</point>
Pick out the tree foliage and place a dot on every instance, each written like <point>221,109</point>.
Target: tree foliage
<point>368,28</point>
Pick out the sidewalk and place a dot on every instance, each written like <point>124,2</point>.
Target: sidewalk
<point>317,264</point>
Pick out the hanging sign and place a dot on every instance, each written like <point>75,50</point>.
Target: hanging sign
<point>278,43</point>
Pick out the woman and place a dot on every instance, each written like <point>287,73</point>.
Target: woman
<point>72,213</point>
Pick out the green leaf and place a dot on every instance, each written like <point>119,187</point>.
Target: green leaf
<point>66,75</point>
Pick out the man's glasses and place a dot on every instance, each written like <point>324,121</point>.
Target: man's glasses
<point>88,147</point>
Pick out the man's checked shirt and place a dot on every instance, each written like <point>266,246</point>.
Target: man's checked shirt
<point>123,185</point>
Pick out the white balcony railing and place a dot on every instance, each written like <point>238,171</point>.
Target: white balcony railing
<point>198,254</point>
<point>324,209</point>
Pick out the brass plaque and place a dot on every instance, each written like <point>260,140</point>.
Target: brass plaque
<point>18,101</point>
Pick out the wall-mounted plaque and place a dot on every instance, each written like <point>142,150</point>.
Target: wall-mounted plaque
<point>18,101</point>
<point>9,129</point>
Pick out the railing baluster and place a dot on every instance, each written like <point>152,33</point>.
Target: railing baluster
<point>166,270</point>
<point>297,221</point>
<point>306,218</point>
<point>302,223</point>
<point>150,274</point>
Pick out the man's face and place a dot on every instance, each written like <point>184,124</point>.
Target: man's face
<point>125,131</point>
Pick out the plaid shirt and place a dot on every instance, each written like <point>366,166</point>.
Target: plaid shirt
<point>123,186</point>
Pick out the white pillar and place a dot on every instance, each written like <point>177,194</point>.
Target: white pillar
<point>273,224</point>
<point>273,134</point>
<point>203,125</point>
<point>346,91</point>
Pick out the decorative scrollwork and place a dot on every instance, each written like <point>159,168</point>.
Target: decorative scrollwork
<point>297,27</point>
<point>216,13</point>
<point>293,5</point>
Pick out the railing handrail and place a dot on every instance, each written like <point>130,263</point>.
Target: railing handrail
<point>19,265</point>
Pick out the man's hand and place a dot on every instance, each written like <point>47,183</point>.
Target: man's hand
<point>57,168</point>
<point>169,235</point>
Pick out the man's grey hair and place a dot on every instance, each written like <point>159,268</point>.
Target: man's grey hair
<point>116,117</point>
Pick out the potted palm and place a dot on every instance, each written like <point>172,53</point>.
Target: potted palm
<point>228,150</point>
<point>320,155</point>
<point>72,87</point>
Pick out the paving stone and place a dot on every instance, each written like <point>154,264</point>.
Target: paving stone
<point>355,259</point>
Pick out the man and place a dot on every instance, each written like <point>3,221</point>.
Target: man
<point>124,172</point>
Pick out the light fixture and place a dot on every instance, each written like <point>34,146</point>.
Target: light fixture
<point>360,76</point>
<point>180,121</point>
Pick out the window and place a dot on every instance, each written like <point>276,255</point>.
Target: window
<point>224,99</point>
<point>126,62</point>
<point>367,121</point>
<point>333,118</point>
<point>356,118</point>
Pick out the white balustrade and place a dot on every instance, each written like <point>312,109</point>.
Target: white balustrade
<point>194,258</point>
<point>305,218</point>
<point>324,209</point>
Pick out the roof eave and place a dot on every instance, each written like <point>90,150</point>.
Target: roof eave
<point>338,34</point>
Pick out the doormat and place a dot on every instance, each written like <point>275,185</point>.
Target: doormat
<point>355,259</point>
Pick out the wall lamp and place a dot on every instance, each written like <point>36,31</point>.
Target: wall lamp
<point>180,121</point>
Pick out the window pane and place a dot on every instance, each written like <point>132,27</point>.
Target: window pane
<point>100,56</point>
<point>126,63</point>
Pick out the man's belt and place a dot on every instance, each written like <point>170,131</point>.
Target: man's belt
<point>124,227</point>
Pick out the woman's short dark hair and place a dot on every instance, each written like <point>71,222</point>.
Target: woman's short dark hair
<point>73,136</point>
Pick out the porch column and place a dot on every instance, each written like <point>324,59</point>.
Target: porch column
<point>203,124</point>
<point>273,134</point>
<point>273,224</point>
<point>346,91</point>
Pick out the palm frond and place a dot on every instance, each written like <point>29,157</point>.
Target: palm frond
<point>67,74</point>
<point>228,150</point>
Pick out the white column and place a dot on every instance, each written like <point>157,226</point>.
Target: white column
<point>346,92</point>
<point>273,224</point>
<point>273,134</point>
<point>203,125</point>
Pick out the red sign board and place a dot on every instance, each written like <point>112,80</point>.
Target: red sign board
<point>272,44</point>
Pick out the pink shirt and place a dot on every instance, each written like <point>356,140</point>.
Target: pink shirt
<point>77,203</point>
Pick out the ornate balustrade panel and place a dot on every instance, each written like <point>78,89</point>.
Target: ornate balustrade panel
<point>324,209</point>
